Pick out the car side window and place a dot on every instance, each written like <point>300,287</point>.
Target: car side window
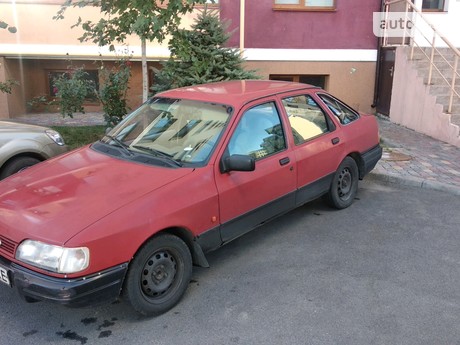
<point>306,118</point>
<point>340,110</point>
<point>259,133</point>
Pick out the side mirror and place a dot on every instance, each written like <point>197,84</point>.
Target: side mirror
<point>107,130</point>
<point>237,163</point>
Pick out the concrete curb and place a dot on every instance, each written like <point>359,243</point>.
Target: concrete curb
<point>414,182</point>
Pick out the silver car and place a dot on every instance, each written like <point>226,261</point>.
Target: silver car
<point>23,145</point>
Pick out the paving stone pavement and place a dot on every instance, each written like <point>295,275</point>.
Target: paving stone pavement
<point>409,158</point>
<point>416,159</point>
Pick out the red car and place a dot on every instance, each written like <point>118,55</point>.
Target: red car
<point>187,172</point>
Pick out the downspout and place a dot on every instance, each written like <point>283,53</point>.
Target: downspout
<point>378,65</point>
<point>242,20</point>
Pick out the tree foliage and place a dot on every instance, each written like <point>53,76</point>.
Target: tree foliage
<point>199,55</point>
<point>6,26</point>
<point>71,89</point>
<point>149,20</point>
<point>74,88</point>
<point>7,86</point>
<point>113,91</point>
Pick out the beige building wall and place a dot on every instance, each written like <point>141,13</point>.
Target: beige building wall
<point>353,82</point>
<point>42,44</point>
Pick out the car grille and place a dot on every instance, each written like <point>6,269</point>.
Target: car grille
<point>8,246</point>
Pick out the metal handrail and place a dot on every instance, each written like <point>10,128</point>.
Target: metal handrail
<point>432,43</point>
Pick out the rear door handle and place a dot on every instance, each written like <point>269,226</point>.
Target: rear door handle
<point>335,141</point>
<point>284,161</point>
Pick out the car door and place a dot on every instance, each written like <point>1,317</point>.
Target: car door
<point>248,198</point>
<point>318,145</point>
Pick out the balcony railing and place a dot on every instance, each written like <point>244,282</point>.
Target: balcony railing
<point>422,34</point>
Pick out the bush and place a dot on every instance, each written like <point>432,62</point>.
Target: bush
<point>113,90</point>
<point>71,89</point>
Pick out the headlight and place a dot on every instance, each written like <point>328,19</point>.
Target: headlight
<point>53,258</point>
<point>55,136</point>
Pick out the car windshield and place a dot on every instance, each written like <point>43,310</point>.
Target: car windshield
<point>183,131</point>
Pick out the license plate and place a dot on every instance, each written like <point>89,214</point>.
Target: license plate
<point>4,276</point>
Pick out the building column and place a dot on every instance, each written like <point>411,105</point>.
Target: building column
<point>4,110</point>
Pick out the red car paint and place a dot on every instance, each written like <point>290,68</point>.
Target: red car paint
<point>113,205</point>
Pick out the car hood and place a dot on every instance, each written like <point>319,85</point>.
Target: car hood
<point>15,127</point>
<point>58,198</point>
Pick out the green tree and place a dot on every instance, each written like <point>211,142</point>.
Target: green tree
<point>149,20</point>
<point>199,55</point>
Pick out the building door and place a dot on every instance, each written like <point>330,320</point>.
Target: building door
<point>385,79</point>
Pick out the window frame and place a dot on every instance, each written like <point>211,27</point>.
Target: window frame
<point>339,102</point>
<point>244,111</point>
<point>329,123</point>
<point>436,10</point>
<point>302,7</point>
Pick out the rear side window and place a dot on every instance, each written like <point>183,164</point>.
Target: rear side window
<point>259,133</point>
<point>306,118</point>
<point>340,110</point>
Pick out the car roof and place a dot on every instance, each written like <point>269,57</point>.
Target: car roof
<point>235,92</point>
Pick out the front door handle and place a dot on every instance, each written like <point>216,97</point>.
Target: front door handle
<point>284,161</point>
<point>335,141</point>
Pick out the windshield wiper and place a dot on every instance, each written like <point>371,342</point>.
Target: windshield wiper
<point>158,153</point>
<point>120,144</point>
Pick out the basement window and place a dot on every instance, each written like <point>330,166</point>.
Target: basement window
<point>312,79</point>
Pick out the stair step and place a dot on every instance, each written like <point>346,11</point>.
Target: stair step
<point>442,66</point>
<point>436,79</point>
<point>438,86</point>
<point>427,50</point>
<point>443,89</point>
<point>455,119</point>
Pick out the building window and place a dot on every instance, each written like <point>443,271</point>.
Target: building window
<point>304,5</point>
<point>433,5</point>
<point>312,79</point>
<point>209,3</point>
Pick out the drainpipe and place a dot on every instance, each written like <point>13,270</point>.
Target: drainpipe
<point>242,17</point>
<point>378,65</point>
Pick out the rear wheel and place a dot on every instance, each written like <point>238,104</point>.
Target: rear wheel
<point>344,185</point>
<point>158,275</point>
<point>17,164</point>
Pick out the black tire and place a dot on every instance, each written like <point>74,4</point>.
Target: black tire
<point>344,185</point>
<point>17,164</point>
<point>158,275</point>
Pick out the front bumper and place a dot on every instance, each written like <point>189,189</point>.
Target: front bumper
<point>103,286</point>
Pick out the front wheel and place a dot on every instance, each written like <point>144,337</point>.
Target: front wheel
<point>158,275</point>
<point>18,164</point>
<point>344,184</point>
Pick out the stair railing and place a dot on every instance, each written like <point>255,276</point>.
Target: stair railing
<point>413,14</point>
